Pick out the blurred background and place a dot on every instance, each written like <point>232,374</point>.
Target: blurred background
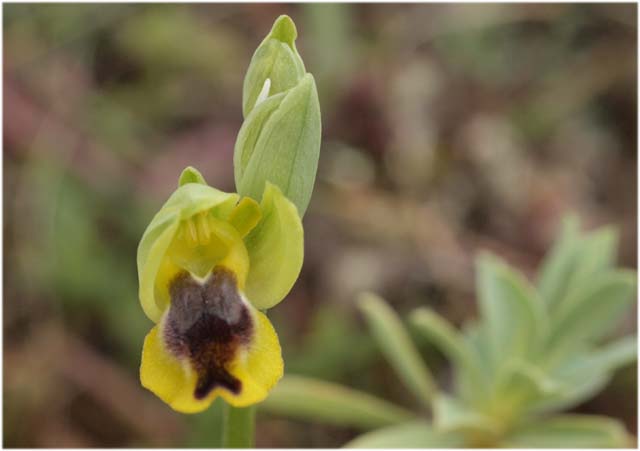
<point>446,129</point>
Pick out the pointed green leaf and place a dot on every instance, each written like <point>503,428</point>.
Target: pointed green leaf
<point>397,347</point>
<point>603,360</point>
<point>314,400</point>
<point>416,434</point>
<point>569,396</point>
<point>451,343</point>
<point>287,148</point>
<point>583,375</point>
<point>191,175</point>
<point>275,248</point>
<point>571,431</point>
<point>598,253</point>
<point>513,315</point>
<point>276,59</point>
<point>573,261</point>
<point>595,255</point>
<point>478,342</point>
<point>559,264</point>
<point>604,301</point>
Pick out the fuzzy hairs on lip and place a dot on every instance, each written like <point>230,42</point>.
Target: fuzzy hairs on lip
<point>207,322</point>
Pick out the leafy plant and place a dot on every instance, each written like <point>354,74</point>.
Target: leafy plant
<point>534,352</point>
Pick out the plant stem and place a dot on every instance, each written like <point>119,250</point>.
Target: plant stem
<point>238,427</point>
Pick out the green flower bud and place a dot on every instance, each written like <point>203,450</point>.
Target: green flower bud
<point>277,60</point>
<point>279,141</point>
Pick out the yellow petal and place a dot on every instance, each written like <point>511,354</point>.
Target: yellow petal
<point>245,216</point>
<point>171,380</point>
<point>260,368</point>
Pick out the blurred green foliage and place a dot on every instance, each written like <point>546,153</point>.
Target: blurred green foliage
<point>533,352</point>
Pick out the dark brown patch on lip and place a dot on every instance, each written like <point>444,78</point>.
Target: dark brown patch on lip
<point>207,323</point>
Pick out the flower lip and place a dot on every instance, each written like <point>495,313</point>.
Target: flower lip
<point>207,324</point>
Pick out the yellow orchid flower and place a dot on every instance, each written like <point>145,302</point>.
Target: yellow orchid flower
<point>209,263</point>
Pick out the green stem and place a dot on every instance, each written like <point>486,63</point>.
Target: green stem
<point>238,427</point>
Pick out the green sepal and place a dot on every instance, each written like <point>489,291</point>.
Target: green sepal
<point>193,198</point>
<point>276,59</point>
<point>275,248</point>
<point>287,145</point>
<point>188,200</point>
<point>191,175</point>
<point>152,248</point>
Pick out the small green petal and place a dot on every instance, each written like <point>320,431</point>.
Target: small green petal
<point>245,216</point>
<point>191,175</point>
<point>275,248</point>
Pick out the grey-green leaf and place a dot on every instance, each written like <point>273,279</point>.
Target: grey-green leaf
<point>416,434</point>
<point>397,347</point>
<point>582,376</point>
<point>311,399</point>
<point>603,302</point>
<point>513,315</point>
<point>452,344</point>
<point>595,255</point>
<point>603,360</point>
<point>558,266</point>
<point>276,59</point>
<point>571,431</point>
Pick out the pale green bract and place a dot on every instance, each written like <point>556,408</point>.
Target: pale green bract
<point>533,352</point>
<point>279,141</point>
